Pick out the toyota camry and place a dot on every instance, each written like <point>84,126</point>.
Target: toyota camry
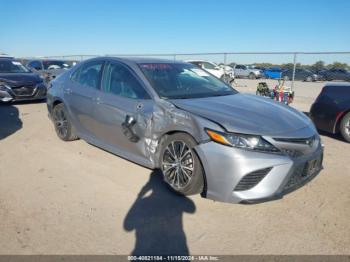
<point>201,133</point>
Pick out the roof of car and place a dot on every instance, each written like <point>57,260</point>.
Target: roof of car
<point>198,60</point>
<point>337,84</point>
<point>139,60</point>
<point>7,58</point>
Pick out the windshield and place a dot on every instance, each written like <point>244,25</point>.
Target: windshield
<point>55,64</point>
<point>10,66</point>
<point>183,81</point>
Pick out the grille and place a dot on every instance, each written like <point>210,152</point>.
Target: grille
<point>291,152</point>
<point>24,91</point>
<point>306,141</point>
<point>252,179</point>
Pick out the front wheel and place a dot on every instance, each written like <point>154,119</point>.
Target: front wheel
<point>180,165</point>
<point>309,79</point>
<point>345,127</point>
<point>63,126</point>
<point>251,76</point>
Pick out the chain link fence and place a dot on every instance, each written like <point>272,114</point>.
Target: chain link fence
<point>316,61</point>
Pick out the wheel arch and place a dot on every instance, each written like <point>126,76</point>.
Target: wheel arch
<point>336,128</point>
<point>172,132</point>
<point>56,101</point>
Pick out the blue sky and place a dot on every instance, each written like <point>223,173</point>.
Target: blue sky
<point>34,28</point>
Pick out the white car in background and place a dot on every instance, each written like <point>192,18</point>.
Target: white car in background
<point>214,69</point>
<point>247,71</point>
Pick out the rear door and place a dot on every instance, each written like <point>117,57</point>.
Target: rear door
<point>122,111</point>
<point>80,95</point>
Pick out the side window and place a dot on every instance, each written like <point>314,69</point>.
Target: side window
<point>208,65</point>
<point>75,75</point>
<point>35,64</point>
<point>118,80</point>
<point>90,74</point>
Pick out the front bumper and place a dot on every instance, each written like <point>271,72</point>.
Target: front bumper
<point>225,167</point>
<point>38,93</point>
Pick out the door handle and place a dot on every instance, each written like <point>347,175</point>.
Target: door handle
<point>97,100</point>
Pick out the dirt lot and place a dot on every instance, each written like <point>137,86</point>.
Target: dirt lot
<point>73,198</point>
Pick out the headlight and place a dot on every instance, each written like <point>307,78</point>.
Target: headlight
<point>3,87</point>
<point>249,142</point>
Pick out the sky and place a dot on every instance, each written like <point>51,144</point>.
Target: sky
<point>66,27</point>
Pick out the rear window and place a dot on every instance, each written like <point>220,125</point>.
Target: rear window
<point>338,93</point>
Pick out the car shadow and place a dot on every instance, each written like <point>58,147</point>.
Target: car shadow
<point>25,102</point>
<point>10,121</point>
<point>156,217</point>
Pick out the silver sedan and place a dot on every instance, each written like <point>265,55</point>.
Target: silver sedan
<point>202,134</point>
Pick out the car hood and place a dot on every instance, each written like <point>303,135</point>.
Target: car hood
<point>17,79</point>
<point>248,114</point>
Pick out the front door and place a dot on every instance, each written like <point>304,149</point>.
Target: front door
<point>122,111</point>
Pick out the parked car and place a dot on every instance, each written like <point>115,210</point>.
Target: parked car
<point>243,71</point>
<point>335,74</point>
<point>212,68</point>
<point>18,83</point>
<point>273,73</point>
<point>301,75</point>
<point>48,68</point>
<point>331,110</point>
<point>202,134</point>
<point>229,71</point>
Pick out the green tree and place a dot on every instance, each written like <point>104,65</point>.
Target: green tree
<point>318,66</point>
<point>338,65</point>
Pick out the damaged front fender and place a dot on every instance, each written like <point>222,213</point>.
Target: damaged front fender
<point>165,118</point>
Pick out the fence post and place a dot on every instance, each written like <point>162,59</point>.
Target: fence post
<point>225,61</point>
<point>294,66</point>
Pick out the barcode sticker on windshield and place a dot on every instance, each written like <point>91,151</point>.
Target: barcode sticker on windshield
<point>200,72</point>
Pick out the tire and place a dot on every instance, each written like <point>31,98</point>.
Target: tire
<point>173,147</point>
<point>345,127</point>
<point>63,127</point>
<point>286,78</point>
<point>309,79</point>
<point>251,76</point>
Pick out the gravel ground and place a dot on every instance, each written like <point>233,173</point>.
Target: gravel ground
<point>73,198</point>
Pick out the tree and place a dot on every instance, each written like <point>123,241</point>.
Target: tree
<point>338,65</point>
<point>318,66</point>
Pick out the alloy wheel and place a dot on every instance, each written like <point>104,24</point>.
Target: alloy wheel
<point>347,128</point>
<point>178,164</point>
<point>61,122</point>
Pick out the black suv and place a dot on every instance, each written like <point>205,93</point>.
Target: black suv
<point>331,110</point>
<point>19,83</point>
